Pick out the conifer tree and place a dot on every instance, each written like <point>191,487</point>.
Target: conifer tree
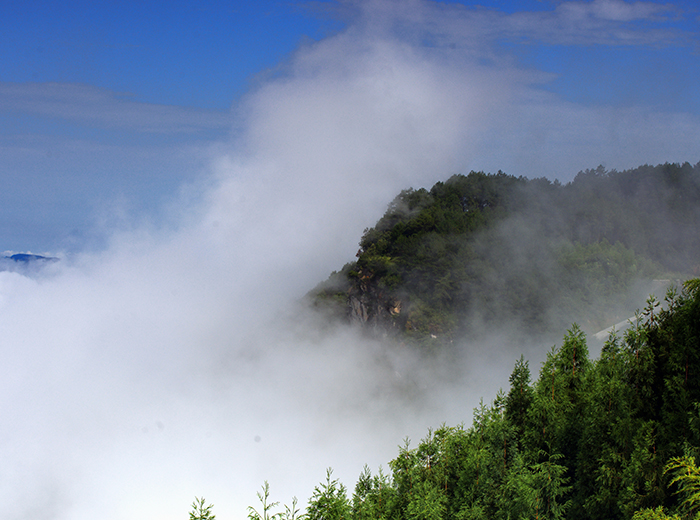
<point>642,479</point>
<point>519,397</point>
<point>374,496</point>
<point>608,428</point>
<point>686,475</point>
<point>292,512</point>
<point>654,514</point>
<point>266,511</point>
<point>551,486</point>
<point>200,511</point>
<point>518,499</point>
<point>428,502</point>
<point>329,501</point>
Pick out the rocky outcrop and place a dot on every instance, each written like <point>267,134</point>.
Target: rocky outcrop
<point>373,308</point>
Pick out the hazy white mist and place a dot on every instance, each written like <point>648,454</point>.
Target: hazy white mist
<point>173,364</point>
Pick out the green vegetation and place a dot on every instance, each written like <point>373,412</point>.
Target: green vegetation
<point>200,511</point>
<point>687,475</point>
<point>266,506</point>
<point>329,501</point>
<point>612,438</point>
<point>483,248</point>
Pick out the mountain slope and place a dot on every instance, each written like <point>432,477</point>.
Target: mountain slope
<point>486,249</point>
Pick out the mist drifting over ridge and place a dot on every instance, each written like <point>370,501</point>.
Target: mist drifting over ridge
<point>169,366</point>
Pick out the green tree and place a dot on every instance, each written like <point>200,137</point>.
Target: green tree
<point>374,496</point>
<point>686,475</point>
<point>551,486</point>
<point>642,478</point>
<point>520,396</point>
<point>608,429</point>
<point>329,501</point>
<point>200,511</point>
<point>428,502</point>
<point>266,510</point>
<point>292,512</point>
<point>654,514</point>
<point>518,499</point>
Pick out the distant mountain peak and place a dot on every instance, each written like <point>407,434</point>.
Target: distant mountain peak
<point>29,257</point>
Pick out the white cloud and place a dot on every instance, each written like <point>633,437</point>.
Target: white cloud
<point>616,10</point>
<point>540,135</point>
<point>143,376</point>
<point>602,22</point>
<point>138,378</point>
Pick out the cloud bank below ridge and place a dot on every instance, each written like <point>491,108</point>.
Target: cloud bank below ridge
<point>169,366</point>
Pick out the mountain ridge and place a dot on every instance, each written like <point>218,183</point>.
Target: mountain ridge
<point>540,254</point>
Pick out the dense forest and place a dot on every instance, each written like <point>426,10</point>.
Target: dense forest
<point>612,438</point>
<point>481,248</point>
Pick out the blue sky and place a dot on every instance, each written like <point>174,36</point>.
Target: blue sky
<point>108,108</point>
<point>200,166</point>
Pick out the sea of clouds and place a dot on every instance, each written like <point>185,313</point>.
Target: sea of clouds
<point>175,363</point>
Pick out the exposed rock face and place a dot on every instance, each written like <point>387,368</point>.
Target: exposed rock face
<point>370,307</point>
<point>374,313</point>
<point>359,313</point>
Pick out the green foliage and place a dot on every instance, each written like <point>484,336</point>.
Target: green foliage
<point>607,439</point>
<point>654,514</point>
<point>200,511</point>
<point>428,502</point>
<point>519,399</point>
<point>643,473</point>
<point>374,496</point>
<point>534,252</point>
<point>686,475</point>
<point>692,286</point>
<point>265,512</point>
<point>550,485</point>
<point>329,501</point>
<point>266,509</point>
<point>292,512</point>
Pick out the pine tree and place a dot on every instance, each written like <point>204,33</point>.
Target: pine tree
<point>654,514</point>
<point>518,498</point>
<point>642,479</point>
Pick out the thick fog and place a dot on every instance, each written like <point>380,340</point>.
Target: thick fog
<point>175,362</point>
<point>173,365</point>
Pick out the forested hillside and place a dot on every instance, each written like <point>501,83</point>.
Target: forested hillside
<point>612,438</point>
<point>482,249</point>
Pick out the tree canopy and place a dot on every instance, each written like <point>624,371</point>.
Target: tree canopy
<point>613,438</point>
<point>537,253</point>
